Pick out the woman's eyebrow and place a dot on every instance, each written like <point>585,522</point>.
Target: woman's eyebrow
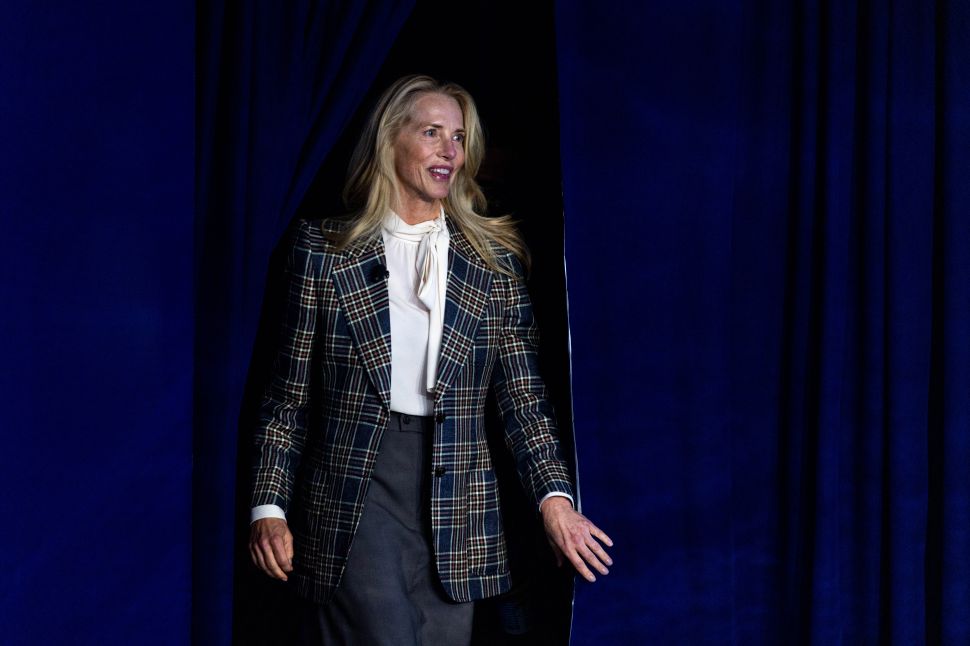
<point>439,126</point>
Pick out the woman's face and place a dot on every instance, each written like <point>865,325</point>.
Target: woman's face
<point>428,152</point>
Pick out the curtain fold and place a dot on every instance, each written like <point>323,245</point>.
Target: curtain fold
<point>276,85</point>
<point>795,392</point>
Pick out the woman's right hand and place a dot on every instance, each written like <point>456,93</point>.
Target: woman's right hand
<point>271,547</point>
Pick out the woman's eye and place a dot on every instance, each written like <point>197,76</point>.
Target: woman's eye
<point>429,132</point>
<point>459,138</point>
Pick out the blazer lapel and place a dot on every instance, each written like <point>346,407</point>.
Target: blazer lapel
<point>469,282</point>
<point>360,280</point>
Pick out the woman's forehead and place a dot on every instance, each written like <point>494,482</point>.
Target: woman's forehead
<point>432,105</point>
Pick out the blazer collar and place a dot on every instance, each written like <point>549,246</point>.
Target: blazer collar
<point>469,283</point>
<point>360,281</point>
<point>361,286</point>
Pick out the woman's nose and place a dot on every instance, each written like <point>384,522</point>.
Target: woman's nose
<point>447,149</point>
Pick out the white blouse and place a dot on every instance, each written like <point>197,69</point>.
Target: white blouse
<point>417,264</point>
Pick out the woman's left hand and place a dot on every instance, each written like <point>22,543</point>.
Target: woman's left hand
<point>573,535</point>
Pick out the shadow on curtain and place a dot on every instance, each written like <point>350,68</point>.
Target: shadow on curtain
<point>276,85</point>
<point>777,426</point>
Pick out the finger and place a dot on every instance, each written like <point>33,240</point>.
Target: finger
<point>279,553</point>
<point>255,556</point>
<point>259,559</point>
<point>580,566</point>
<point>555,551</point>
<point>600,534</point>
<point>590,558</point>
<point>288,544</point>
<point>272,568</point>
<point>599,552</point>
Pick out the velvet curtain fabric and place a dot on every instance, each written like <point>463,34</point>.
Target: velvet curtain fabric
<point>276,84</point>
<point>772,398</point>
<point>96,328</point>
<point>768,237</point>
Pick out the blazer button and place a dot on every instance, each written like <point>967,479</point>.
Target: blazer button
<point>378,273</point>
<point>440,471</point>
<point>440,418</point>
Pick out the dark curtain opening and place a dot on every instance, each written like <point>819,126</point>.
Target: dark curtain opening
<point>514,183</point>
<point>503,53</point>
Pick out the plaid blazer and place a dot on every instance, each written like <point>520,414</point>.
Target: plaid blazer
<point>327,407</point>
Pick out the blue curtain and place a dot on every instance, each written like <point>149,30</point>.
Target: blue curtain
<point>768,252</point>
<point>96,328</point>
<point>276,84</point>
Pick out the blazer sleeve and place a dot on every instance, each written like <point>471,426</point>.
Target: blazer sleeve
<point>530,427</point>
<point>281,432</point>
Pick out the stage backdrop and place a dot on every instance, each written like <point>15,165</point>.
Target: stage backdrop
<point>96,334</point>
<point>768,262</point>
<point>767,236</point>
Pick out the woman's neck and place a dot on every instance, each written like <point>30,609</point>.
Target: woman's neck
<point>417,212</point>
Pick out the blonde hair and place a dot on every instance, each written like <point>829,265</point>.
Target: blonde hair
<point>372,184</point>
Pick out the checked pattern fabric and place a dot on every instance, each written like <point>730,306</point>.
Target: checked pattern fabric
<point>327,406</point>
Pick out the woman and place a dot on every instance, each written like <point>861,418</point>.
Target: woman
<point>373,484</point>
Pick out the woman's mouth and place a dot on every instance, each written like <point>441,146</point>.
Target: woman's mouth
<point>440,173</point>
